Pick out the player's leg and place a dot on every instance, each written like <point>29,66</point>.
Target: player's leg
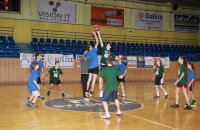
<point>164,91</point>
<point>122,88</point>
<point>29,102</point>
<point>176,97</point>
<point>61,88</point>
<point>105,98</point>
<point>157,83</point>
<point>187,99</point>
<point>88,83</point>
<point>94,78</point>
<point>157,92</point>
<point>35,94</point>
<point>117,104</point>
<point>49,89</point>
<point>84,79</point>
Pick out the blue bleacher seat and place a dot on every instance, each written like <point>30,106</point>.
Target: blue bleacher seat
<point>48,40</point>
<point>2,38</point>
<point>42,40</point>
<point>34,40</point>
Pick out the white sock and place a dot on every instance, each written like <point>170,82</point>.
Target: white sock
<point>158,94</point>
<point>165,93</point>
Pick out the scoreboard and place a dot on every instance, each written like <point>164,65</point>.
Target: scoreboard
<point>10,5</point>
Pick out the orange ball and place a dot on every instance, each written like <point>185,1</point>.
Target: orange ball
<point>96,28</point>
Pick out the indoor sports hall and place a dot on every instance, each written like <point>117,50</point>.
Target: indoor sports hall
<point>99,64</point>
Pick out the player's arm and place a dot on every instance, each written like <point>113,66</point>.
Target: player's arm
<point>36,84</point>
<point>125,73</point>
<point>60,75</point>
<point>100,39</point>
<point>182,75</point>
<point>96,39</point>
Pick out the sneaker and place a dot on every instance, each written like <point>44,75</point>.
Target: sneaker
<point>33,106</point>
<point>193,103</point>
<point>90,94</point>
<point>48,93</point>
<point>188,107</point>
<point>41,97</point>
<point>101,94</point>
<point>106,117</point>
<point>157,97</point>
<point>28,104</point>
<point>63,95</point>
<point>118,113</point>
<point>123,95</point>
<point>87,94</point>
<point>166,96</point>
<point>174,106</point>
<point>86,99</point>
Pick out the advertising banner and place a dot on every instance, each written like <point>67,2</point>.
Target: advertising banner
<point>149,20</point>
<point>107,16</point>
<point>25,60</point>
<point>57,11</point>
<point>131,61</point>
<point>186,23</point>
<point>66,61</point>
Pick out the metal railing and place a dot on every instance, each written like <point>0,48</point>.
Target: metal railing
<point>52,34</point>
<point>6,31</point>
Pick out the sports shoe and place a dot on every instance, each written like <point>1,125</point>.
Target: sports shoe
<point>87,94</point>
<point>41,97</point>
<point>118,113</point>
<point>86,99</point>
<point>106,116</point>
<point>28,104</point>
<point>63,95</point>
<point>166,96</point>
<point>123,95</point>
<point>48,93</point>
<point>33,106</point>
<point>156,97</point>
<point>174,106</point>
<point>101,93</point>
<point>188,107</point>
<point>90,94</point>
<point>193,103</point>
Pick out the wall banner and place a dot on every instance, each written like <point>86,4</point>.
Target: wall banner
<point>66,61</point>
<point>25,60</point>
<point>57,11</point>
<point>149,20</point>
<point>107,16</point>
<point>186,23</point>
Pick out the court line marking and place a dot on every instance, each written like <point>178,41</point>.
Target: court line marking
<point>150,121</point>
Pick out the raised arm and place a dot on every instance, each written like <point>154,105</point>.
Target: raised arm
<point>96,39</point>
<point>100,39</point>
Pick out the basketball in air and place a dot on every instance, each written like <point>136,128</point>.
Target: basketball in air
<point>96,28</point>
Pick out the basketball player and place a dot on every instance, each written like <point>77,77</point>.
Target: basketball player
<point>55,78</point>
<point>38,59</point>
<point>181,82</point>
<point>123,69</point>
<point>110,73</point>
<point>91,54</point>
<point>191,82</point>
<point>85,63</point>
<point>159,79</point>
<point>106,52</point>
<point>33,86</point>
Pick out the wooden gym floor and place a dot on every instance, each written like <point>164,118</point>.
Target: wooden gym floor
<point>155,115</point>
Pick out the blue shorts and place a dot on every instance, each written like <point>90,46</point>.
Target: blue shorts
<point>107,96</point>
